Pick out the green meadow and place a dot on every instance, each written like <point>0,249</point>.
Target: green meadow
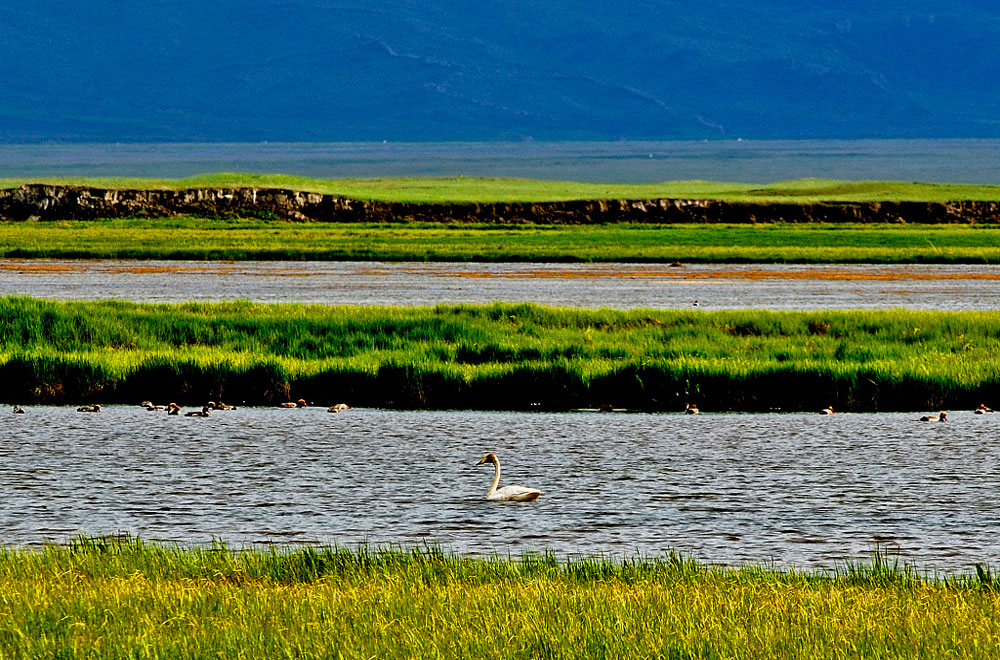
<point>127,599</point>
<point>498,356</point>
<point>249,239</point>
<point>484,190</point>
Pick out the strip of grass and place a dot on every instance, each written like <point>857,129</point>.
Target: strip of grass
<point>97,598</point>
<point>461,189</point>
<point>199,238</point>
<point>500,356</point>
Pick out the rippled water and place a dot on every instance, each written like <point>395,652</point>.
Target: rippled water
<point>799,490</point>
<point>959,287</point>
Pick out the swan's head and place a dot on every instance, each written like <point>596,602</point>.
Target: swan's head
<point>488,458</point>
<point>944,416</point>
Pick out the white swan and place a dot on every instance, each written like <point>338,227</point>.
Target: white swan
<point>507,493</point>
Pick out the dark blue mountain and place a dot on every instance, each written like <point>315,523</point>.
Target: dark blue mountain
<point>345,70</point>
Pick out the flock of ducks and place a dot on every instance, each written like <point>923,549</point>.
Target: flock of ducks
<point>174,409</point>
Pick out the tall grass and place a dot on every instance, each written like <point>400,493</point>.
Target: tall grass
<point>484,190</point>
<point>123,598</point>
<point>499,356</point>
<point>202,238</point>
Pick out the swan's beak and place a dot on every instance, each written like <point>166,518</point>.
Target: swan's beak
<point>480,462</point>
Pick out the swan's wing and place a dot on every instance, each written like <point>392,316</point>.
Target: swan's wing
<point>515,494</point>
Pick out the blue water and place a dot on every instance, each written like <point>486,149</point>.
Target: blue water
<point>966,161</point>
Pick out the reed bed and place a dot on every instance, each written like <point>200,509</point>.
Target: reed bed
<point>205,238</point>
<point>499,356</point>
<point>119,598</point>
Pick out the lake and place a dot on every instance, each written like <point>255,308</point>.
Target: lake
<point>751,161</point>
<point>624,286</point>
<point>800,490</point>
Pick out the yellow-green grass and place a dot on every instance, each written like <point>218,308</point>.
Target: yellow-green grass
<point>203,238</point>
<point>131,600</point>
<point>461,189</point>
<point>499,356</point>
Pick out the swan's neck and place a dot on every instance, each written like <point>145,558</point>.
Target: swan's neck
<point>496,479</point>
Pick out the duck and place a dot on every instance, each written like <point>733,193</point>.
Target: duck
<point>942,417</point>
<point>153,408</point>
<point>826,411</point>
<point>220,406</point>
<point>507,493</point>
<point>18,410</point>
<point>691,409</point>
<point>195,413</point>
<point>173,409</point>
<point>96,408</point>
<point>338,407</point>
<point>982,409</point>
<point>301,403</point>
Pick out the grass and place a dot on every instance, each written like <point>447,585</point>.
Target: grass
<point>127,599</point>
<point>201,238</point>
<point>499,356</point>
<point>483,190</point>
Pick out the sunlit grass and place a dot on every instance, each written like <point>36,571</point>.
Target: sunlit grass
<point>203,238</point>
<point>98,598</point>
<point>499,356</point>
<point>463,189</point>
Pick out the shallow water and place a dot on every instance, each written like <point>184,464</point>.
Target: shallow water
<point>799,490</point>
<point>624,286</point>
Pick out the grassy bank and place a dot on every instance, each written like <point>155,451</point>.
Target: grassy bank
<point>461,189</point>
<point>126,599</point>
<point>498,356</point>
<point>200,238</point>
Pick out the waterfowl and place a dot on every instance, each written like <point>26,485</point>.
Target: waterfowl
<point>691,409</point>
<point>194,413</point>
<point>605,407</point>
<point>220,406</point>
<point>18,410</point>
<point>173,409</point>
<point>90,409</point>
<point>507,493</point>
<point>338,407</point>
<point>301,403</point>
<point>943,417</point>
<point>154,408</point>
<point>826,411</point>
<point>982,409</point>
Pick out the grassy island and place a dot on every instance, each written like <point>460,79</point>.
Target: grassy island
<point>498,356</point>
<point>126,599</point>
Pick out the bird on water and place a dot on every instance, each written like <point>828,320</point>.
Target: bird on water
<point>943,417</point>
<point>507,493</point>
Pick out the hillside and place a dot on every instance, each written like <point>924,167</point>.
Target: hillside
<point>303,70</point>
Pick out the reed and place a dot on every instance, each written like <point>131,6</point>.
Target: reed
<point>203,238</point>
<point>120,598</point>
<point>499,356</point>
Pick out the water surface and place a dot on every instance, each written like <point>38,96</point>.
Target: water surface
<point>624,286</point>
<point>799,490</point>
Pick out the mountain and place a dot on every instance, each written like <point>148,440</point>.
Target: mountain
<point>416,70</point>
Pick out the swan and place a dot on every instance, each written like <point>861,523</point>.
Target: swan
<point>826,411</point>
<point>507,493</point>
<point>173,409</point>
<point>88,409</point>
<point>982,409</point>
<point>18,410</point>
<point>691,409</point>
<point>301,403</point>
<point>339,407</point>
<point>943,417</point>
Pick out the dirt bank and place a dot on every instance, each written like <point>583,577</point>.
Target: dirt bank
<point>46,202</point>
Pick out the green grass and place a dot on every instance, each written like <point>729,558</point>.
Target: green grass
<point>200,238</point>
<point>438,190</point>
<point>500,356</point>
<point>126,599</point>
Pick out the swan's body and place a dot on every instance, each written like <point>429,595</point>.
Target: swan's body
<point>90,409</point>
<point>195,413</point>
<point>339,407</point>
<point>943,417</point>
<point>301,403</point>
<point>507,493</point>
